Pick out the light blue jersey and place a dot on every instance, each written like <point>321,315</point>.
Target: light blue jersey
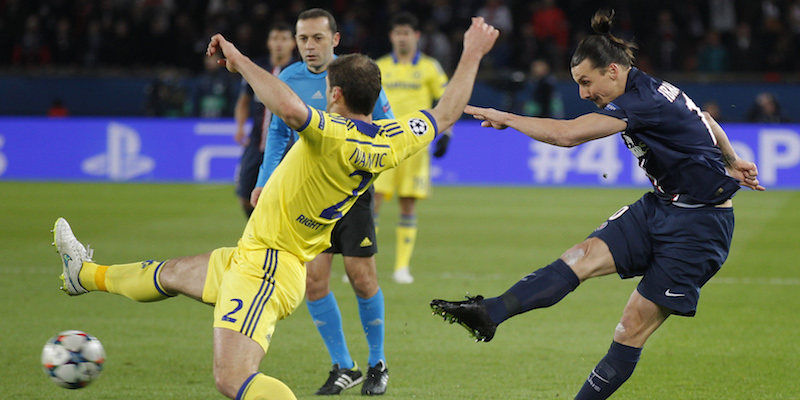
<point>311,89</point>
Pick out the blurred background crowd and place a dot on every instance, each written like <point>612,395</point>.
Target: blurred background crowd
<point>706,39</point>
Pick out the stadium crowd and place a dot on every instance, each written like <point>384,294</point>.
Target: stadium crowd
<point>139,35</point>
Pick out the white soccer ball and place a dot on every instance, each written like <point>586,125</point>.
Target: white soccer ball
<point>73,359</point>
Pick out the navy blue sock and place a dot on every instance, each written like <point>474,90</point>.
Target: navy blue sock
<point>541,288</point>
<point>612,371</point>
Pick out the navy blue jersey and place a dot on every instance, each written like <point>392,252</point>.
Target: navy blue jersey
<point>672,140</point>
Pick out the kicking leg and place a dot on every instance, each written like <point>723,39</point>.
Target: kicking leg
<point>541,288</point>
<point>640,319</point>
<point>141,281</point>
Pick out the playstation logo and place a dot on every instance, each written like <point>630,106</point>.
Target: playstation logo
<point>122,160</point>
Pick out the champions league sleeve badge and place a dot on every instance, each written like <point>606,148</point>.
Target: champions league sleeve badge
<point>418,126</point>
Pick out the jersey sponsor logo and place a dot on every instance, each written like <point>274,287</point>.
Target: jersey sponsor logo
<point>668,293</point>
<point>611,107</point>
<point>418,126</point>
<point>302,219</point>
<point>638,149</point>
<point>317,95</point>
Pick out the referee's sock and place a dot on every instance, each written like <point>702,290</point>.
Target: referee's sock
<point>371,311</point>
<point>612,371</point>
<point>328,320</point>
<point>541,288</point>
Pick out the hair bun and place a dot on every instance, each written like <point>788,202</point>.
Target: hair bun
<point>602,21</point>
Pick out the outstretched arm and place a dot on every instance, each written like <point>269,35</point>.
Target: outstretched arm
<point>743,170</point>
<point>558,132</point>
<point>275,94</point>
<point>478,40</point>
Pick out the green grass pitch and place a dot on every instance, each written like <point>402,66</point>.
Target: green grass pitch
<point>743,344</point>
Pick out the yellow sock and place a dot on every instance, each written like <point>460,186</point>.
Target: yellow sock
<point>406,237</point>
<point>262,387</point>
<point>137,281</point>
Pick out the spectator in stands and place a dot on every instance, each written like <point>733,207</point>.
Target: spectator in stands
<point>435,43</point>
<point>766,109</point>
<point>497,14</point>
<point>57,109</point>
<point>215,91</point>
<point>551,30</point>
<point>713,56</point>
<point>712,108</point>
<point>539,97</point>
<point>31,49</point>
<point>746,53</point>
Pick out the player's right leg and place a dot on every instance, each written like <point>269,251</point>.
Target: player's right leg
<point>140,281</point>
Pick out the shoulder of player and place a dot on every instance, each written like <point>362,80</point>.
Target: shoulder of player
<point>385,59</point>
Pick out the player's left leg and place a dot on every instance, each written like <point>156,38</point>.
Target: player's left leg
<point>236,361</point>
<point>640,319</point>
<point>406,238</point>
<point>259,289</point>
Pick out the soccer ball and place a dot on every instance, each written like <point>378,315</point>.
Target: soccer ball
<point>73,359</point>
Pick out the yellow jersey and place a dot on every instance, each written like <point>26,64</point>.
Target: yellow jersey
<point>322,175</point>
<point>412,86</point>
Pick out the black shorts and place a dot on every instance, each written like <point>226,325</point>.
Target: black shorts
<point>248,171</point>
<point>354,234</point>
<point>676,250</point>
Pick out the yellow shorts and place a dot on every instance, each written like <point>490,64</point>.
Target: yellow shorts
<point>253,290</point>
<point>412,178</point>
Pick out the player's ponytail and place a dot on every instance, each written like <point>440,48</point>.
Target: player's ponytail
<point>604,48</point>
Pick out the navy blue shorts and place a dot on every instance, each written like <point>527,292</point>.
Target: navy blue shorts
<point>676,250</point>
<point>249,165</point>
<point>354,234</point>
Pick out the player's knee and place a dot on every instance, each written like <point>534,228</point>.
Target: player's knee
<point>365,285</point>
<point>629,330</point>
<point>575,253</point>
<point>589,259</point>
<point>316,290</point>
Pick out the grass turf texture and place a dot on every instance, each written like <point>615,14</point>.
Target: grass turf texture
<point>744,343</point>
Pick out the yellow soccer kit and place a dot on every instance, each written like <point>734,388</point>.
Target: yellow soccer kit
<point>410,87</point>
<point>262,280</point>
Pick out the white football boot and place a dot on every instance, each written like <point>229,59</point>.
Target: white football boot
<point>403,276</point>
<point>73,254</point>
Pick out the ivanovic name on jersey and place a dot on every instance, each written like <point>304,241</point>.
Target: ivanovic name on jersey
<point>368,160</point>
